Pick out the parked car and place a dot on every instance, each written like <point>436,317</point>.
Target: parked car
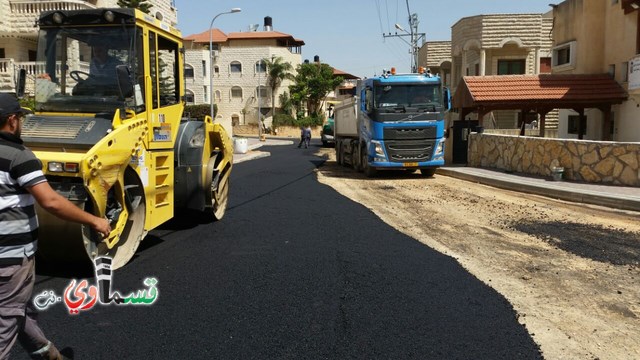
<point>326,134</point>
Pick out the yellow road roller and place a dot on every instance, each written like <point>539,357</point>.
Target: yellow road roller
<point>108,126</point>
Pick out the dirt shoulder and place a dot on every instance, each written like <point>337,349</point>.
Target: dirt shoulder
<point>571,271</point>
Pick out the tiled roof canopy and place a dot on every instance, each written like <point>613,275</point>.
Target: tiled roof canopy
<point>551,91</point>
<point>345,75</point>
<point>219,36</point>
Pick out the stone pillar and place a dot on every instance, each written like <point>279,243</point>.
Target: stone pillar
<point>580,121</point>
<point>483,63</point>
<point>606,124</point>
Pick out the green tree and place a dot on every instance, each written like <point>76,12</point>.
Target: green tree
<point>277,71</point>
<point>286,103</point>
<point>141,5</point>
<point>313,82</point>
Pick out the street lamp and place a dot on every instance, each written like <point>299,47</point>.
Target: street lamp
<point>234,10</point>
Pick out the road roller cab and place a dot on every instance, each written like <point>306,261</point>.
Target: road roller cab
<point>108,128</point>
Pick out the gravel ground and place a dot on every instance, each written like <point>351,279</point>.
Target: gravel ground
<point>571,271</point>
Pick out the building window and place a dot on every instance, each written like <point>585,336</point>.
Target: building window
<point>573,125</point>
<point>564,55</point>
<point>2,56</point>
<point>188,71</point>
<point>188,97</point>
<point>236,92</point>
<point>261,67</point>
<point>216,70</point>
<point>235,67</point>
<point>32,55</point>
<point>235,120</point>
<point>204,68</point>
<point>511,67</point>
<point>205,91</point>
<point>261,91</point>
<point>218,96</point>
<point>625,71</point>
<point>351,91</point>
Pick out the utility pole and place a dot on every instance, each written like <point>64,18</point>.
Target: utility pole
<point>414,37</point>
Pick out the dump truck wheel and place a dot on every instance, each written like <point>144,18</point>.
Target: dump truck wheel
<point>368,170</point>
<point>219,190</point>
<point>429,172</point>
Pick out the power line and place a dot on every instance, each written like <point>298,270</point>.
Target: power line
<point>413,34</point>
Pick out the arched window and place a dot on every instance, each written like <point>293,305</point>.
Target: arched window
<point>261,91</point>
<point>261,67</point>
<point>188,97</point>
<point>218,96</point>
<point>188,71</point>
<point>235,120</point>
<point>235,67</point>
<point>236,92</point>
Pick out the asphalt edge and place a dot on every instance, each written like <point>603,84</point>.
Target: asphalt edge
<point>568,195</point>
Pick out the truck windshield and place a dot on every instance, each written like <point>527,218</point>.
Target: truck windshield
<point>75,69</point>
<point>410,98</point>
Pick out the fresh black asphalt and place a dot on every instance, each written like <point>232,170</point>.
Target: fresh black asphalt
<point>294,271</point>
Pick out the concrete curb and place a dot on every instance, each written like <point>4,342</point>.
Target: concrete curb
<point>580,196</point>
<point>252,155</point>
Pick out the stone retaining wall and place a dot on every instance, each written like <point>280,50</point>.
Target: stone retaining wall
<point>582,160</point>
<point>283,131</point>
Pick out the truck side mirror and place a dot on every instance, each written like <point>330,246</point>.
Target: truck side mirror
<point>124,81</point>
<point>20,83</point>
<point>446,95</point>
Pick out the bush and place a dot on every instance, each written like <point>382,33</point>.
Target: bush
<point>311,121</point>
<point>283,120</point>
<point>28,102</point>
<point>200,111</point>
<point>288,120</point>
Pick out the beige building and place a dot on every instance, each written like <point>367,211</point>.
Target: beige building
<point>502,44</point>
<point>239,74</point>
<point>18,36</point>
<point>600,37</point>
<point>436,56</point>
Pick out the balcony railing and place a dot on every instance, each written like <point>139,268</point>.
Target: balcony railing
<point>36,7</point>
<point>9,72</point>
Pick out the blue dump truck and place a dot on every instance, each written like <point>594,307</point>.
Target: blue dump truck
<point>395,121</point>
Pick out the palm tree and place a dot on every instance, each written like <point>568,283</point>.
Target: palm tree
<point>277,71</point>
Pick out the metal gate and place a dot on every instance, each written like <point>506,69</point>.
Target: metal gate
<point>461,129</point>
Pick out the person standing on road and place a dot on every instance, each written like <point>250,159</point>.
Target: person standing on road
<point>305,136</point>
<point>22,183</point>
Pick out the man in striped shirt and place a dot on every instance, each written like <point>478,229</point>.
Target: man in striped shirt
<point>22,183</point>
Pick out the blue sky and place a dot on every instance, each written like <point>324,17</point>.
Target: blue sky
<point>347,34</point>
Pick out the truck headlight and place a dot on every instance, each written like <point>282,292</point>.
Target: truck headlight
<point>440,148</point>
<point>378,148</point>
<point>55,166</point>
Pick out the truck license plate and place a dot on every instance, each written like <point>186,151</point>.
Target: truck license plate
<point>410,164</point>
